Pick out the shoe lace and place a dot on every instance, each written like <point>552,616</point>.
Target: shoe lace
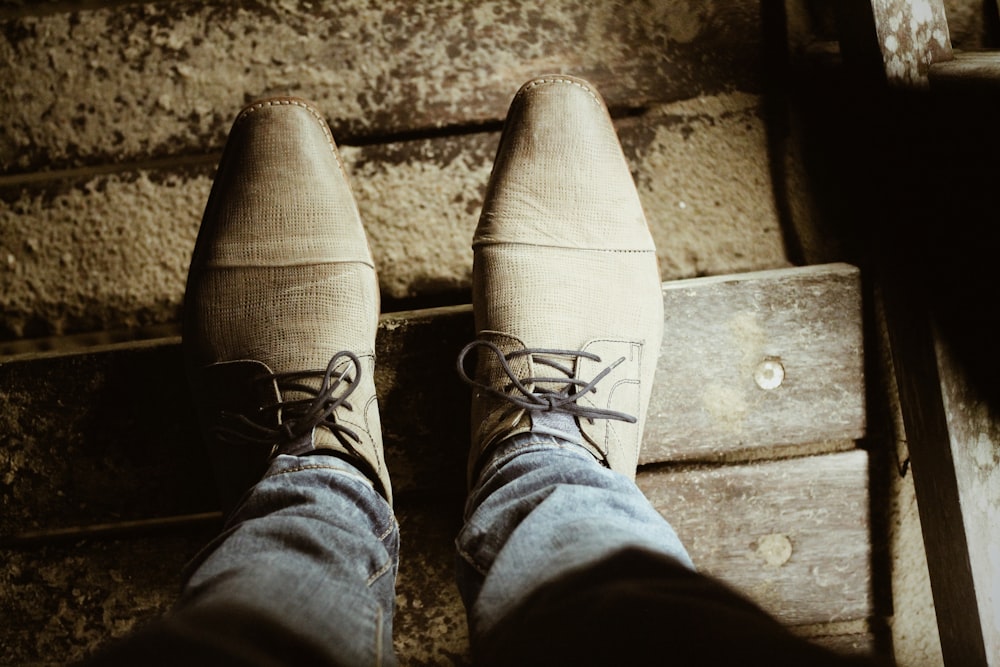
<point>299,416</point>
<point>542,398</point>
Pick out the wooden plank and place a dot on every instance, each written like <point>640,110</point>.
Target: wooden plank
<point>144,80</point>
<point>967,71</point>
<point>771,358</point>
<point>110,435</point>
<point>912,36</point>
<point>110,251</point>
<point>974,438</point>
<point>66,600</point>
<point>793,535</point>
<point>947,532</point>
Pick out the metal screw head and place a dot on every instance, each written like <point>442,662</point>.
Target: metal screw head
<point>769,373</point>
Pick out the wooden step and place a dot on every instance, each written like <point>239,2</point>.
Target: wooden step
<point>968,72</point>
<point>950,439</point>
<point>107,435</point>
<point>100,449</point>
<point>792,534</point>
<point>936,257</point>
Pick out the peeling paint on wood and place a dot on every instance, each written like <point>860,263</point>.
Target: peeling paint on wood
<point>912,34</point>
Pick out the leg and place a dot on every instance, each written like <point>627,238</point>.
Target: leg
<point>280,317</point>
<point>569,319</point>
<point>544,507</point>
<point>303,574</point>
<point>562,560</point>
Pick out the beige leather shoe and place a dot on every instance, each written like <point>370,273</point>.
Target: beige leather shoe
<point>282,303</point>
<point>566,288</point>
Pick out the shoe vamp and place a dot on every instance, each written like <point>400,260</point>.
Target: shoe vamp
<point>559,298</point>
<point>576,212</point>
<point>258,227</point>
<point>290,318</point>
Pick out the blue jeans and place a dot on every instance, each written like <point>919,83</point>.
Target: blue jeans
<point>560,561</point>
<point>315,548</point>
<point>542,508</point>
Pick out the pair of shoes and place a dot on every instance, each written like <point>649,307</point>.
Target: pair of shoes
<point>282,301</point>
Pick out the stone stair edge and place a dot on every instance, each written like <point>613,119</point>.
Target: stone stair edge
<point>169,334</point>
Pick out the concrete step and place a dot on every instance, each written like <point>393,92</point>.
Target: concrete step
<point>117,112</point>
<point>130,82</point>
<point>109,251</point>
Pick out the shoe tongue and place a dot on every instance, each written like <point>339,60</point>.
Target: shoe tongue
<point>324,439</point>
<point>343,373</point>
<point>559,424</point>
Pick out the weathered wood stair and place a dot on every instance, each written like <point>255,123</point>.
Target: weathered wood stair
<point>943,356</point>
<point>750,451</point>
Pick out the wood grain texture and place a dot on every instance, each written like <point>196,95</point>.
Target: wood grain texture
<point>933,463</point>
<point>974,71</point>
<point>727,339</point>
<point>88,439</point>
<point>793,535</point>
<point>974,437</point>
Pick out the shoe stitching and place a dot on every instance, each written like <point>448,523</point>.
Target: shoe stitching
<point>302,468</point>
<point>294,419</point>
<point>379,572</point>
<point>539,82</point>
<point>638,251</point>
<point>245,113</point>
<point>527,394</point>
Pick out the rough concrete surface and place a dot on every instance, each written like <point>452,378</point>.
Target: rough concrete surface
<point>107,587</point>
<point>111,251</point>
<point>160,78</point>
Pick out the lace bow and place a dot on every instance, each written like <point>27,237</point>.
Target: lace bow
<point>297,418</point>
<point>542,398</point>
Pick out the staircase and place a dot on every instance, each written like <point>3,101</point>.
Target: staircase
<point>768,446</point>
